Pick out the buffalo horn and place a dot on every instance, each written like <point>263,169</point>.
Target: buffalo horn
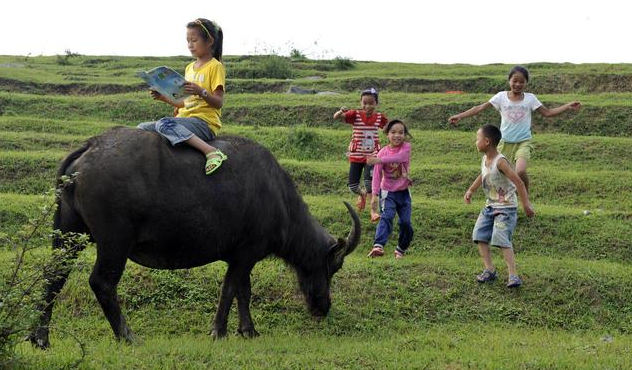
<point>356,230</point>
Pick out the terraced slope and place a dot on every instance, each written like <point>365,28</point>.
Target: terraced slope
<point>575,263</point>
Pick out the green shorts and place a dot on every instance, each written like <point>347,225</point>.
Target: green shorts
<point>513,151</point>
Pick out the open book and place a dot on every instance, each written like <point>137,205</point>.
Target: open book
<point>166,81</point>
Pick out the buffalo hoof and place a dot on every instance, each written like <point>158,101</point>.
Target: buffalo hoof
<point>248,333</point>
<point>218,334</point>
<point>127,336</point>
<point>39,338</point>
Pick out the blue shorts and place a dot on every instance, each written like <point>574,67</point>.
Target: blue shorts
<point>179,129</point>
<point>495,226</point>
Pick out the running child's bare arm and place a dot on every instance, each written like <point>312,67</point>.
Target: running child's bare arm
<point>546,112</point>
<point>470,112</point>
<point>472,189</point>
<point>505,167</point>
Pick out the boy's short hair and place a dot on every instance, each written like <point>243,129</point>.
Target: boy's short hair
<point>492,133</point>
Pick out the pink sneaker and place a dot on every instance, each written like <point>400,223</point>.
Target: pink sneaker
<point>376,252</point>
<point>398,254</point>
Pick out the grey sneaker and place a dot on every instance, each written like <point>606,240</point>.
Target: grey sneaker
<point>514,281</point>
<point>486,276</point>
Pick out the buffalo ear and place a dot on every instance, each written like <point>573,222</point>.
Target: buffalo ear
<point>338,250</point>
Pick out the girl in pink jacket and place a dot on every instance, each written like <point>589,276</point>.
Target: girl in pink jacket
<point>390,176</point>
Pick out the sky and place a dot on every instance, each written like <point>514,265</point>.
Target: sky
<point>416,31</point>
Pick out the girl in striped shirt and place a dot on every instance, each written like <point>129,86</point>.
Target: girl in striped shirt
<point>365,141</point>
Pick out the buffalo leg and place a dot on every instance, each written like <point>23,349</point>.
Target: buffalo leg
<point>236,284</point>
<point>57,271</point>
<point>104,280</point>
<point>225,301</point>
<point>55,275</point>
<point>246,327</point>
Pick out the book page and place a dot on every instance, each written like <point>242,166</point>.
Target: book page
<point>167,82</point>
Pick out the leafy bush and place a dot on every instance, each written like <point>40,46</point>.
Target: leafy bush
<point>275,66</point>
<point>264,66</point>
<point>343,64</point>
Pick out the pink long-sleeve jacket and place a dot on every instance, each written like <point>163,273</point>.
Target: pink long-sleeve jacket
<point>392,173</point>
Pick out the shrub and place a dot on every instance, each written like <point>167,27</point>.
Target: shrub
<point>274,66</point>
<point>261,66</point>
<point>343,64</point>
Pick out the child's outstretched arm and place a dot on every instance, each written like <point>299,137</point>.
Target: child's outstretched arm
<point>546,112</point>
<point>470,112</point>
<point>340,114</point>
<point>505,167</point>
<point>472,189</point>
<point>401,157</point>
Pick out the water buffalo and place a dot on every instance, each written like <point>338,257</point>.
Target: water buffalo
<point>139,198</point>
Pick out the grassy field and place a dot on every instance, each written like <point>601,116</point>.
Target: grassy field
<point>425,311</point>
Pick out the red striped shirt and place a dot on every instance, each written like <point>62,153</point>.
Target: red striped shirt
<point>365,139</point>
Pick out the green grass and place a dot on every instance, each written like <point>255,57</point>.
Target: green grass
<point>577,171</point>
<point>36,126</point>
<point>114,74</point>
<point>396,296</point>
<point>437,347</point>
<point>33,173</point>
<point>426,309</point>
<point>449,147</point>
<point>603,114</point>
<point>445,225</point>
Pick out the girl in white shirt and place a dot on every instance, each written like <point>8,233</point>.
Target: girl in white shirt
<point>515,107</point>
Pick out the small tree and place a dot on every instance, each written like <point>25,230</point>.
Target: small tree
<point>296,54</point>
<point>65,59</point>
<point>20,286</point>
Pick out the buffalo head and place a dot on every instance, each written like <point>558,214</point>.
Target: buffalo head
<point>315,280</point>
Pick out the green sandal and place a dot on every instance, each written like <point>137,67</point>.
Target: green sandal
<point>214,160</point>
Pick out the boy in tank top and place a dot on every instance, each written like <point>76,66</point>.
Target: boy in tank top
<point>496,222</point>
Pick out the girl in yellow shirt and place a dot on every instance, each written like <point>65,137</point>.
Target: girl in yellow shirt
<point>198,117</point>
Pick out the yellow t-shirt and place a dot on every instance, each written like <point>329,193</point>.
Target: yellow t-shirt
<point>210,76</point>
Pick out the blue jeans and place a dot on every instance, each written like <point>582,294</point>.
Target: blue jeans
<point>495,226</point>
<point>179,129</point>
<point>391,203</point>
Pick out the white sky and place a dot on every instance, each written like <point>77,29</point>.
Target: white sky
<point>436,31</point>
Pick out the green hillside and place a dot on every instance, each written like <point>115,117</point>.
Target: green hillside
<point>425,311</point>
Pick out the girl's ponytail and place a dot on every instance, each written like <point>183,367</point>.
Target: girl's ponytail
<point>219,40</point>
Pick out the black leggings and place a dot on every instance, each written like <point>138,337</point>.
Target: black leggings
<point>355,171</point>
